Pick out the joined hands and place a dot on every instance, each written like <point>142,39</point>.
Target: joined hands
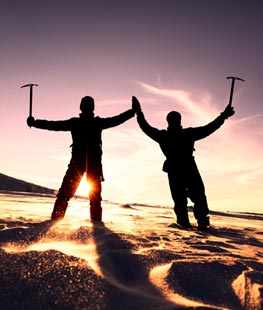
<point>136,106</point>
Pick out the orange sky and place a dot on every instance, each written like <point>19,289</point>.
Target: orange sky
<point>172,55</point>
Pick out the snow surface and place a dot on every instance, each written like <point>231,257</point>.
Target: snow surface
<point>136,259</point>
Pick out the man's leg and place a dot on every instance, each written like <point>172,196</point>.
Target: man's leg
<point>67,190</point>
<point>95,200</point>
<point>196,192</point>
<point>178,192</point>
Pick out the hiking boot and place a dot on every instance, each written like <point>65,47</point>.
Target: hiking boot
<point>203,224</point>
<point>184,223</point>
<point>183,219</point>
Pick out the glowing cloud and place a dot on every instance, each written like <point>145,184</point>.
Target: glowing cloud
<point>202,109</point>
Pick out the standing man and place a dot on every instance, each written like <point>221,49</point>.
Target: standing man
<point>86,157</point>
<point>177,144</point>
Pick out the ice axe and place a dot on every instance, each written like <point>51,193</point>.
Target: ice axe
<point>232,87</point>
<point>31,96</point>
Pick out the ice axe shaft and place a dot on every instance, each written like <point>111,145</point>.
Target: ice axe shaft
<point>30,96</point>
<point>232,87</point>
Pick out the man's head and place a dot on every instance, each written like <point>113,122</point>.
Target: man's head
<point>173,118</point>
<point>87,104</point>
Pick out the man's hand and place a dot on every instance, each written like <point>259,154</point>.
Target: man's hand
<point>229,111</point>
<point>30,121</point>
<point>136,105</point>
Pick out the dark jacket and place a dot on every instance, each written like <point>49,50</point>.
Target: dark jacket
<point>177,144</point>
<point>86,133</point>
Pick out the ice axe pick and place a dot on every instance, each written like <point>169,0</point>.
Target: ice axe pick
<point>232,87</point>
<point>30,96</point>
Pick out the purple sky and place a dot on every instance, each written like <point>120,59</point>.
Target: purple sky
<point>173,55</point>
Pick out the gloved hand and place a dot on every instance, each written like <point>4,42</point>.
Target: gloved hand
<point>229,111</point>
<point>136,105</point>
<point>30,121</point>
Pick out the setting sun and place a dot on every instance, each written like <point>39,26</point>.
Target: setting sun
<point>84,187</point>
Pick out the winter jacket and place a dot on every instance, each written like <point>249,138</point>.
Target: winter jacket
<point>177,144</point>
<point>86,133</point>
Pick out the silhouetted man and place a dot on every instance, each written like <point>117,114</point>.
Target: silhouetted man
<point>177,144</point>
<point>86,154</point>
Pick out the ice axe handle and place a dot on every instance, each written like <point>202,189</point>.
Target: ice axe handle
<point>30,96</point>
<point>232,88</point>
<point>30,101</point>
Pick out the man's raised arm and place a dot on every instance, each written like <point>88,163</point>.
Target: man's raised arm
<point>204,131</point>
<point>150,131</point>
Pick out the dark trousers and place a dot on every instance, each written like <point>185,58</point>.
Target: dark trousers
<point>187,183</point>
<point>70,183</point>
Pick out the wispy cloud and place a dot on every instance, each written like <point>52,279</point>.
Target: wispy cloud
<point>251,175</point>
<point>113,102</point>
<point>202,109</point>
<point>247,119</point>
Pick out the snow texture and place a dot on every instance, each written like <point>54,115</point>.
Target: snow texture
<point>136,259</point>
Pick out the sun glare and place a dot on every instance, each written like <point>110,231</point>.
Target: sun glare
<point>84,187</point>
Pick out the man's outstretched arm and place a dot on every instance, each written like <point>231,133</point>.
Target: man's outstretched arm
<point>204,131</point>
<point>118,119</point>
<point>49,125</point>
